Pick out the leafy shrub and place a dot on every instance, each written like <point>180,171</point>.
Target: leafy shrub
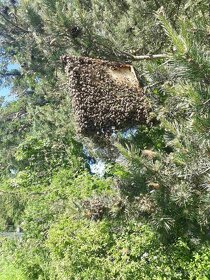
<point>81,249</point>
<point>8,271</point>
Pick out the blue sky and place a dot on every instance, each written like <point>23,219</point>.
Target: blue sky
<point>6,91</point>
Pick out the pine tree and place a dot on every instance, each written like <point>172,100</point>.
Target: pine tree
<point>77,225</point>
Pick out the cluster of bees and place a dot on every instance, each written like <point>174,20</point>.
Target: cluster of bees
<point>101,103</point>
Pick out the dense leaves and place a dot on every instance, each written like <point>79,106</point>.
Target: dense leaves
<point>147,216</point>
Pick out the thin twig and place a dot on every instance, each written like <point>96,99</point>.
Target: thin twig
<point>7,73</point>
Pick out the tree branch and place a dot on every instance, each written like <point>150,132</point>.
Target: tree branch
<point>142,57</point>
<point>148,56</point>
<point>14,24</point>
<point>10,73</point>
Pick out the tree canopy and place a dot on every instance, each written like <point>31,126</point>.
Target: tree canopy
<point>147,216</point>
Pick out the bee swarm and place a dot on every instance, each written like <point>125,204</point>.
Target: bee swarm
<point>106,96</point>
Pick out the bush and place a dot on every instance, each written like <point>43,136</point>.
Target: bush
<point>81,249</point>
<point>8,271</point>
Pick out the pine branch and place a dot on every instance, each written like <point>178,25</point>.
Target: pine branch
<point>14,24</point>
<point>145,57</point>
<point>10,73</point>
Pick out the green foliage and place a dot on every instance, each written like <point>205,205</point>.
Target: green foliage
<point>200,269</point>
<point>172,179</point>
<point>148,216</point>
<point>79,248</point>
<point>8,272</point>
<point>191,56</point>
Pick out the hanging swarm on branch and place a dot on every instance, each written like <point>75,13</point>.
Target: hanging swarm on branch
<point>106,96</point>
